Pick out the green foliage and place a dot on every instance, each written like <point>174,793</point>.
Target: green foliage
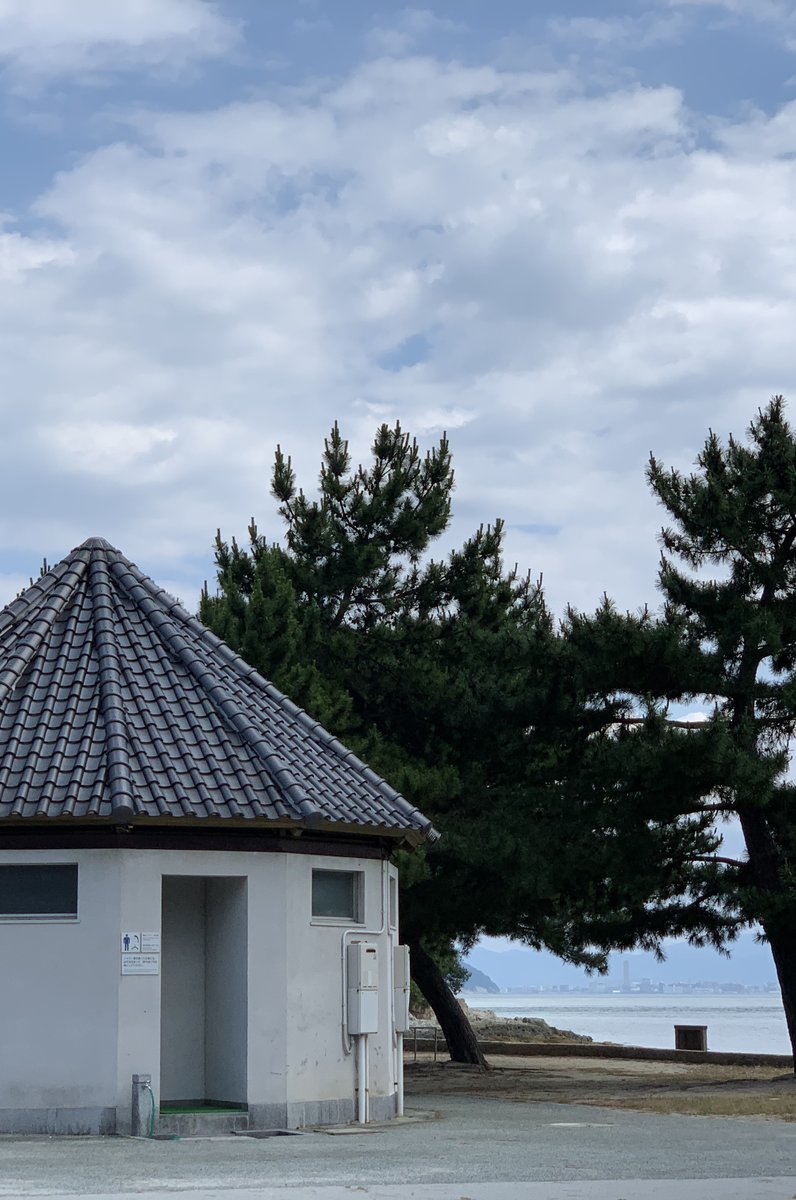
<point>425,668</point>
<point>354,552</point>
<point>449,679</point>
<point>725,639</point>
<point>257,613</point>
<point>576,814</point>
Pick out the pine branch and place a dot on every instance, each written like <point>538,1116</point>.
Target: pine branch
<point>671,724</point>
<point>718,858</point>
<point>708,808</point>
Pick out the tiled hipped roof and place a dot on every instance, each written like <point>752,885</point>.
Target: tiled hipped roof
<point>116,703</point>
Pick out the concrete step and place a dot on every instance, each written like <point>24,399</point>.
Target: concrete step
<point>209,1123</point>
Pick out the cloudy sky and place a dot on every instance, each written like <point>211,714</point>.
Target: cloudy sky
<point>564,231</point>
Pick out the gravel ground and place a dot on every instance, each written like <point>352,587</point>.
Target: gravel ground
<point>627,1083</point>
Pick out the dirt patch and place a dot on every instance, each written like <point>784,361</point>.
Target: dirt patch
<point>704,1090</point>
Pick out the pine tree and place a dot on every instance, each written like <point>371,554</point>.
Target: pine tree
<point>726,639</point>
<point>351,621</point>
<point>450,680</point>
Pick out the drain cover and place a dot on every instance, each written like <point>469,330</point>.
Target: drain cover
<point>581,1125</point>
<point>266,1133</point>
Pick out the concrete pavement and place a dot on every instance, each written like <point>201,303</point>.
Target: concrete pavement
<point>480,1148</point>
<point>625,1189</point>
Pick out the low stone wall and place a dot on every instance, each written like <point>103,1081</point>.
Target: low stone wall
<point>607,1050</point>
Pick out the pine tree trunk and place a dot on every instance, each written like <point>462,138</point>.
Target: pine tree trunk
<point>779,929</point>
<point>783,949</point>
<point>458,1032</point>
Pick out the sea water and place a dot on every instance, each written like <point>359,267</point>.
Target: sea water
<point>751,1024</point>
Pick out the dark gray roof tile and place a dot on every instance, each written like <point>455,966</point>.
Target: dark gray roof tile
<point>115,702</point>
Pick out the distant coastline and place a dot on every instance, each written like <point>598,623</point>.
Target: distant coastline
<point>609,988</point>
<point>751,1022</point>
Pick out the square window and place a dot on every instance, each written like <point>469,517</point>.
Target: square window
<point>32,891</point>
<point>337,895</point>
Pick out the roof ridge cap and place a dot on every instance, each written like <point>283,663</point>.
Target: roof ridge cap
<point>117,748</point>
<point>97,543</point>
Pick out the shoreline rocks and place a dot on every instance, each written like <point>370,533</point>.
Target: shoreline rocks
<point>490,1027</point>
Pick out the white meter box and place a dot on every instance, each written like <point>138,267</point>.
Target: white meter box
<point>363,987</point>
<point>401,980</point>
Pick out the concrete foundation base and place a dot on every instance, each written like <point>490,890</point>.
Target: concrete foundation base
<point>302,1114</point>
<point>297,1114</point>
<point>67,1121</point>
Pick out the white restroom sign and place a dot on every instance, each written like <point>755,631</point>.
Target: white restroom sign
<point>131,943</point>
<point>140,964</point>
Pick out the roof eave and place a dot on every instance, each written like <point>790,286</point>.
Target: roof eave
<point>412,838</point>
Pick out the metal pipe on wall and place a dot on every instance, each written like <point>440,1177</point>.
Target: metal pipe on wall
<point>142,1114</point>
<point>362,1112</point>
<point>399,1089</point>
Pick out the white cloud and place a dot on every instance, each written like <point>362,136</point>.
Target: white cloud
<point>584,281</point>
<point>761,136</point>
<point>407,28</point>
<point>44,38</point>
<point>651,28</point>
<point>107,448</point>
<point>779,15</point>
<point>20,254</point>
<point>760,9</point>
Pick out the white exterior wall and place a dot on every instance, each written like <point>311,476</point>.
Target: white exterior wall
<point>58,1005</point>
<point>74,1030</point>
<point>268,1008</point>
<point>317,1060</point>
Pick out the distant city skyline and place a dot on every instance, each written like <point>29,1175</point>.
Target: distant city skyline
<point>749,964</point>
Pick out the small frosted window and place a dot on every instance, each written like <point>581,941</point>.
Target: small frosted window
<point>393,902</point>
<point>337,894</point>
<point>32,891</point>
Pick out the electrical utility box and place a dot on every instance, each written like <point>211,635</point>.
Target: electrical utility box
<point>363,987</point>
<point>400,983</point>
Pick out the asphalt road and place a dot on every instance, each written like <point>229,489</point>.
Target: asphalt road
<point>480,1149</point>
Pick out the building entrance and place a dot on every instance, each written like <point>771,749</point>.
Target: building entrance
<point>203,997</point>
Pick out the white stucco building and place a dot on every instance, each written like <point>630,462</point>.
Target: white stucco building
<point>186,860</point>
